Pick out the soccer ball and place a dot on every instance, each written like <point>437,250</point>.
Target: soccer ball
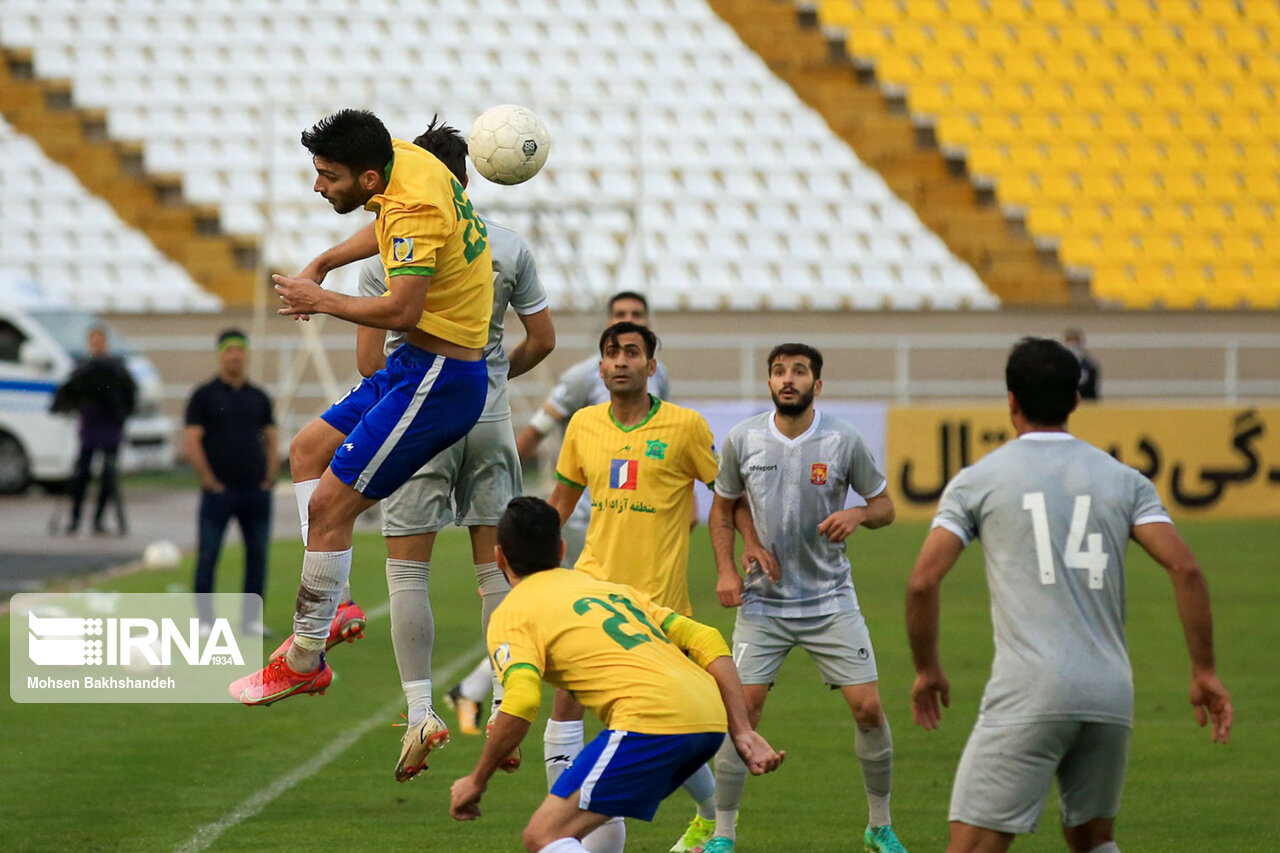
<point>161,555</point>
<point>508,144</point>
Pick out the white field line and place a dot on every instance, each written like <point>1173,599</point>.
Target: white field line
<point>259,800</point>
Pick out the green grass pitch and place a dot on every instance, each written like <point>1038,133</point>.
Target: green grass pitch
<point>171,777</point>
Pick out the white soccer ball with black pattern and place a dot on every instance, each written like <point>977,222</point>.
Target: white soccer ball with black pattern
<point>508,144</point>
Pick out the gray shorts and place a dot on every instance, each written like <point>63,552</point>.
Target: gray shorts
<point>838,643</point>
<point>472,481</point>
<point>1005,773</point>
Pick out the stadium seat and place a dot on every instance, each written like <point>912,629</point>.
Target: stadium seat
<point>1175,103</point>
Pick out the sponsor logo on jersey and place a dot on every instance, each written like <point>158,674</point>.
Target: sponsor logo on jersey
<point>402,249</point>
<point>623,473</point>
<point>762,467</point>
<point>818,473</point>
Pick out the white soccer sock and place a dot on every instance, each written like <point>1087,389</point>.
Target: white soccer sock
<point>874,748</point>
<point>302,491</point>
<point>702,787</point>
<point>1109,847</point>
<point>413,626</point>
<point>418,695</point>
<point>561,744</point>
<point>610,837</point>
<point>324,573</point>
<point>564,845</point>
<point>478,682</point>
<point>731,778</point>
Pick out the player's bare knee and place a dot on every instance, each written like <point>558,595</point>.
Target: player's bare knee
<point>868,713</point>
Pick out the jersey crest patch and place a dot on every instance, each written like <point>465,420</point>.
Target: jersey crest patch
<point>623,473</point>
<point>401,249</point>
<point>656,449</point>
<point>818,473</point>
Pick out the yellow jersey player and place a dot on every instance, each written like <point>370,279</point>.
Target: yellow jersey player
<point>664,686</point>
<point>639,457</point>
<point>440,294</point>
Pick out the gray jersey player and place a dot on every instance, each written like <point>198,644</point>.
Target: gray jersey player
<point>1054,515</point>
<point>578,387</point>
<point>795,467</point>
<point>468,484</point>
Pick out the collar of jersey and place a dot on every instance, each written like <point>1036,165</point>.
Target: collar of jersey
<point>1046,436</point>
<point>372,205</point>
<point>653,410</point>
<point>777,433</point>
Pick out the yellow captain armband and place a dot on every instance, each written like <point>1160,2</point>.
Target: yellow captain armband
<point>522,694</point>
<point>702,642</point>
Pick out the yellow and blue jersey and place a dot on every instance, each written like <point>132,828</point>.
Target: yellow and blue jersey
<point>426,226</point>
<point>641,483</point>
<point>604,642</point>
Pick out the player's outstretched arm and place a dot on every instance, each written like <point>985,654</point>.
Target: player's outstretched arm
<point>1208,695</point>
<point>931,691</point>
<point>363,244</point>
<point>464,797</point>
<point>755,751</point>
<point>399,310</point>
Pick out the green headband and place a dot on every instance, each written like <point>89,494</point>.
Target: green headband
<point>232,341</point>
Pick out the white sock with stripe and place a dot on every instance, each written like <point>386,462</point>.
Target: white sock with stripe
<point>324,574</point>
<point>561,744</point>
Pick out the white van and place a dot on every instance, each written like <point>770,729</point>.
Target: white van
<point>39,347</point>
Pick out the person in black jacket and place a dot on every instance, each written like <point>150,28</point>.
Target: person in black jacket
<point>230,440</point>
<point>1090,372</point>
<point>102,392</point>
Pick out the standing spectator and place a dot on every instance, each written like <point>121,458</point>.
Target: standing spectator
<point>230,440</point>
<point>103,393</point>
<point>1090,373</point>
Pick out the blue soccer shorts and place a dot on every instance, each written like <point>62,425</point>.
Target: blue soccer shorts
<point>396,420</point>
<point>626,774</point>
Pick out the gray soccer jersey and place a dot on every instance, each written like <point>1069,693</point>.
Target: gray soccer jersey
<point>581,386</point>
<point>515,283</point>
<point>792,486</point>
<point>1054,515</point>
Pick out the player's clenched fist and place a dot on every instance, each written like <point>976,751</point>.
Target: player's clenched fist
<point>464,799</point>
<point>756,753</point>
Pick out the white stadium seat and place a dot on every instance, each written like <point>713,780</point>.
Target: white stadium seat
<point>652,105</point>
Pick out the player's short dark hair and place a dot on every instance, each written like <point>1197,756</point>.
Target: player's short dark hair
<point>1044,377</point>
<point>529,535</point>
<point>626,327</point>
<point>811,353</point>
<point>628,294</point>
<point>355,138</point>
<point>449,146</point>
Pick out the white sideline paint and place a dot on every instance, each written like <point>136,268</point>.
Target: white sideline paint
<point>259,800</point>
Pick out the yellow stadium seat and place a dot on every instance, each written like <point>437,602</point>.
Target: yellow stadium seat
<point>1180,186</point>
<point>1251,216</point>
<point>911,39</point>
<point>1021,68</point>
<point>985,159</point>
<point>1051,96</point>
<point>1010,11</point>
<point>1263,154</point>
<point>1197,126</point>
<point>971,97</point>
<point>1160,38</point>
<point>1091,11</point>
<point>1079,250</point>
<point>993,36</point>
<point>1046,219</point>
<point>1088,95</point>
<point>895,69</point>
<point>1052,11</point>
<point>1236,127</point>
<point>1135,11</point>
<point>881,11</point>
<point>1200,249</point>
<point>1117,246</point>
<point>1000,127</point>
<point>1240,248</point>
<point>1105,155</point>
<point>1209,217</point>
<point>1017,189</point>
<point>1011,97</point>
<point>1143,67</point>
<point>1130,95</point>
<point>953,40</point>
<point>1088,218</point>
<point>1117,37</point>
<point>1127,216</point>
<point>1262,12</point>
<point>966,11</point>
<point>1059,187</point>
<point>1067,156</point>
<point>1198,38</point>
<point>937,67</point>
<point>957,130</point>
<point>1075,37</point>
<point>1170,96</point>
<point>927,100</point>
<point>1217,12</point>
<point>1034,38</point>
<point>1038,127</point>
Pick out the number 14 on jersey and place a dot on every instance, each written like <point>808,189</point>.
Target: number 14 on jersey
<point>1091,557</point>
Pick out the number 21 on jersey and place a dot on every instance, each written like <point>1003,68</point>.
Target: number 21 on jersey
<point>1091,557</point>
